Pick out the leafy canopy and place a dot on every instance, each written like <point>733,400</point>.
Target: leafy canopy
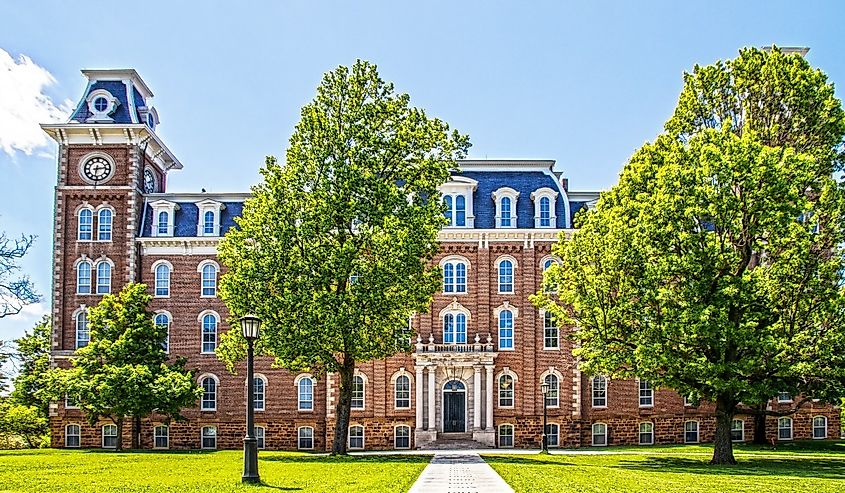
<point>33,355</point>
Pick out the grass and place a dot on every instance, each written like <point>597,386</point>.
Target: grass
<point>812,467</point>
<point>102,471</point>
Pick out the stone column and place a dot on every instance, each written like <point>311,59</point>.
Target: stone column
<point>488,425</point>
<point>419,397</point>
<point>476,399</point>
<point>431,398</point>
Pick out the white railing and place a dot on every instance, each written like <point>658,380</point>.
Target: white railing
<point>476,347</point>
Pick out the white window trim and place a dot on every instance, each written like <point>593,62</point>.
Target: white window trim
<point>395,428</point>
<point>169,277</point>
<point>593,434</point>
<point>742,439</point>
<point>393,379</point>
<point>365,382</point>
<point>96,235</point>
<point>506,371</point>
<point>593,388</point>
<point>167,427</point>
<point>557,445</point>
<point>538,194</point>
<point>202,437</point>
<point>697,431</point>
<point>542,319</point>
<point>454,259</point>
<point>85,207</point>
<point>81,309</point>
<point>514,314</point>
<point>784,401</point>
<point>791,429</point>
<point>216,390</point>
<point>363,437</point>
<point>498,195</point>
<point>460,185</point>
<point>813,427</point>
<point>101,116</point>
<point>200,318</point>
<point>103,436</point>
<point>209,205</point>
<point>298,438</point>
<point>79,435</point>
<point>639,394</point>
<point>296,382</point>
<point>515,267</point>
<point>169,324</point>
<point>164,206</point>
<point>256,377</point>
<point>216,266</point>
<point>263,429</point>
<point>553,371</point>
<point>96,270</point>
<point>640,434</point>
<point>499,435</point>
<point>92,279</point>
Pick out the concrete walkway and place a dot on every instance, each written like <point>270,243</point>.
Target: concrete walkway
<point>459,473</point>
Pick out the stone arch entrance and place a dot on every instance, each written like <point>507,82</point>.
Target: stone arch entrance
<point>454,407</point>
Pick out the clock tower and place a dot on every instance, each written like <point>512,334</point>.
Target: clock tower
<point>109,158</point>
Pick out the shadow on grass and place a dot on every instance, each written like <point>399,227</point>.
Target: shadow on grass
<point>347,459</point>
<point>526,461</point>
<point>810,468</point>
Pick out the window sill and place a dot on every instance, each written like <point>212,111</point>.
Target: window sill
<point>161,296</point>
<point>551,349</point>
<point>599,407</point>
<point>207,296</point>
<point>506,349</point>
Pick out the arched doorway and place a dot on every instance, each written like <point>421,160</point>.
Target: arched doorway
<point>454,407</point>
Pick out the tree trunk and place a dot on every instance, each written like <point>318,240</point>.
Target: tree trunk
<point>723,452</point>
<point>344,406</point>
<point>760,427</point>
<point>136,432</point>
<point>119,445</point>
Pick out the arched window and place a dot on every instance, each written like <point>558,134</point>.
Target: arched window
<point>646,433</point>
<point>506,330</point>
<point>505,276</point>
<point>305,437</point>
<point>209,393</point>
<point>356,437</point>
<point>454,328</point>
<point>402,392</point>
<point>163,223</point>
<point>110,436</point>
<point>691,432</point>
<point>552,434</point>
<point>551,333</point>
<point>162,279</point>
<point>83,277</point>
<point>784,428</point>
<point>209,280</point>
<point>208,223</point>
<point>447,201</point>
<point>506,390</point>
<point>505,211</point>
<point>402,437</point>
<point>83,335</point>
<point>599,391</point>
<point>454,277</point>
<point>104,221</point>
<point>306,394</point>
<point>737,430</point>
<point>505,436</point>
<point>819,428</point>
<point>163,320</point>
<point>209,333</point>
<point>72,436</point>
<point>259,384</point>
<point>357,392</point>
<point>548,286</point>
<point>599,434</point>
<point>554,385</point>
<point>86,225</point>
<point>545,212</point>
<point>103,277</point>
<point>460,210</point>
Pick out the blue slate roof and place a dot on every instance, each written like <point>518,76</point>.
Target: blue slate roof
<point>523,182</point>
<point>118,90</point>
<point>187,218</point>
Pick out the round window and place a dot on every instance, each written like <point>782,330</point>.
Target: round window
<point>101,104</point>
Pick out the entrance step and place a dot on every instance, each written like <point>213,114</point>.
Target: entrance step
<point>454,441</point>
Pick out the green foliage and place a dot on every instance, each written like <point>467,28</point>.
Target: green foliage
<point>26,422</point>
<point>33,356</point>
<point>124,371</point>
<point>357,198</point>
<point>79,471</point>
<point>715,266</point>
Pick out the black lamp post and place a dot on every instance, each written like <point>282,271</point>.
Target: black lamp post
<point>544,388</point>
<point>251,326</point>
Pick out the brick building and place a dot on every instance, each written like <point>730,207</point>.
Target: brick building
<point>481,352</point>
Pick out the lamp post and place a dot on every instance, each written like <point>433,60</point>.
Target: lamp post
<point>544,388</point>
<point>251,326</point>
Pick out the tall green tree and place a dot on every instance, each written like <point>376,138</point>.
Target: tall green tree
<point>33,361</point>
<point>715,266</point>
<point>333,248</point>
<point>124,370</point>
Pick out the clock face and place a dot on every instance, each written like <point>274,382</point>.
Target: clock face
<point>96,169</point>
<point>149,181</point>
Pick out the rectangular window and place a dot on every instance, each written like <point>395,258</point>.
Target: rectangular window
<point>402,438</point>
<point>784,428</point>
<point>646,394</point>
<point>72,436</point>
<point>161,437</point>
<point>357,393</point>
<point>110,436</point>
<point>551,336</point>
<point>259,437</point>
<point>784,397</point>
<point>356,437</point>
<point>506,330</point>
<point>599,435</point>
<point>209,437</point>
<point>552,430</point>
<point>819,428</point>
<point>306,438</point>
<point>505,436</point>
<point>737,430</point>
<point>460,210</point>
<point>506,391</point>
<point>646,433</point>
<point>691,432</point>
<point>599,391</point>
<point>403,392</point>
<point>461,278</point>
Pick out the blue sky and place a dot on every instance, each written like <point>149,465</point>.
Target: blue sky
<point>584,84</point>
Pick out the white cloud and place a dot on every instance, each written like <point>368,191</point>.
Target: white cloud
<point>23,104</point>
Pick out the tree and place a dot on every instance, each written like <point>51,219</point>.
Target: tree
<point>714,266</point>
<point>15,292</point>
<point>333,248</point>
<point>26,422</point>
<point>124,371</point>
<point>33,360</point>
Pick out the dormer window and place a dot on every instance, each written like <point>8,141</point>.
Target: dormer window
<point>101,104</point>
<point>506,199</point>
<point>209,217</point>
<point>457,197</point>
<point>544,207</point>
<point>164,217</point>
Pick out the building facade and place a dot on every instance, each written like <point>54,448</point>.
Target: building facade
<point>480,354</point>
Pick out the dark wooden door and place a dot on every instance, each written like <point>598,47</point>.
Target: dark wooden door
<point>453,412</point>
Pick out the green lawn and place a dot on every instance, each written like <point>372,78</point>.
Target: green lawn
<point>811,467</point>
<point>154,472</point>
